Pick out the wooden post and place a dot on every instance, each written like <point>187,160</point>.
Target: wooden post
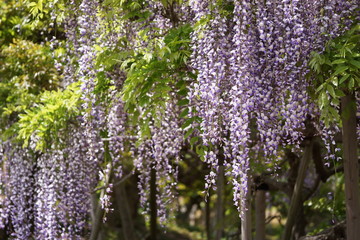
<point>124,211</point>
<point>296,195</point>
<point>220,204</point>
<point>153,204</point>
<point>351,167</point>
<point>260,207</point>
<point>98,212</point>
<point>246,221</point>
<point>207,217</point>
<point>97,218</point>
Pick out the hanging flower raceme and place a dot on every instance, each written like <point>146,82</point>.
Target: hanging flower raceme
<point>161,152</point>
<point>4,201</point>
<point>263,80</point>
<point>117,133</point>
<point>79,178</point>
<point>211,45</point>
<point>251,62</point>
<point>18,186</point>
<point>63,183</point>
<point>243,67</point>
<point>72,45</point>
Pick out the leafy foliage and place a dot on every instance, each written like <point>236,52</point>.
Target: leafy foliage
<point>153,75</point>
<point>26,70</point>
<point>337,72</point>
<point>228,74</point>
<point>13,21</point>
<point>42,124</point>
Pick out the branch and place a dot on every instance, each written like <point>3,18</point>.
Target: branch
<point>270,218</point>
<point>319,165</point>
<point>272,184</point>
<point>334,232</point>
<point>116,183</point>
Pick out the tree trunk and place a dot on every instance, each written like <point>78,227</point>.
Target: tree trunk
<point>207,216</point>
<point>124,210</point>
<point>296,198</point>
<point>351,167</point>
<point>98,212</point>
<point>300,223</point>
<point>260,206</point>
<point>220,204</point>
<point>246,221</point>
<point>153,205</point>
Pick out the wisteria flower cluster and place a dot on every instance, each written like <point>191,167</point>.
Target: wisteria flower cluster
<point>250,90</point>
<point>253,68</point>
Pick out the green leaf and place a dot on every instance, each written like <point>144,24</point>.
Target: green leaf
<point>346,76</point>
<point>340,69</point>
<point>355,63</point>
<point>335,101</point>
<point>189,132</point>
<point>183,92</point>
<point>339,93</point>
<point>321,87</point>
<point>180,84</point>
<point>330,89</point>
<point>348,49</point>
<point>125,64</point>
<point>334,80</point>
<point>187,123</point>
<point>31,4</point>
<point>163,51</point>
<point>184,113</point>
<point>338,61</point>
<point>323,100</point>
<point>163,88</point>
<point>148,57</point>
<point>200,150</point>
<point>334,113</point>
<point>194,140</point>
<point>183,102</point>
<point>351,83</point>
<point>40,5</point>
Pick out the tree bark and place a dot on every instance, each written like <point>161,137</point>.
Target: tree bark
<point>220,204</point>
<point>351,167</point>
<point>207,216</point>
<point>300,223</point>
<point>260,206</point>
<point>98,212</point>
<point>124,210</point>
<point>246,221</point>
<point>296,198</point>
<point>153,205</point>
<point>334,232</point>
